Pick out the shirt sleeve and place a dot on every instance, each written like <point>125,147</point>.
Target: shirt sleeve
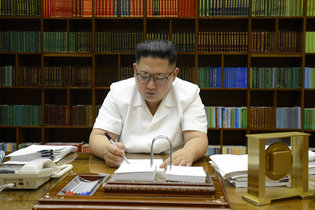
<point>109,117</point>
<point>194,115</point>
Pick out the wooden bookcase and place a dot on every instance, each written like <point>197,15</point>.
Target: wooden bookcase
<point>105,68</point>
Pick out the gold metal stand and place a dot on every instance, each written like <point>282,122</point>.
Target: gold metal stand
<point>278,162</point>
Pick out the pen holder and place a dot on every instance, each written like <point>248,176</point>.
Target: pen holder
<point>83,185</point>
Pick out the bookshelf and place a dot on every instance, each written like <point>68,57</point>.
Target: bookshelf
<point>58,59</point>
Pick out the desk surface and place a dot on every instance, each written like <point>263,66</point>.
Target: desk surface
<point>87,163</point>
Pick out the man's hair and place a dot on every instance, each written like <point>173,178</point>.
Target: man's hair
<point>157,48</point>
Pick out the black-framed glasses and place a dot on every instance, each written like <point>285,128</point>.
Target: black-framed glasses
<point>159,78</point>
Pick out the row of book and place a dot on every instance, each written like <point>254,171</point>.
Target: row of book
<point>226,117</point>
<point>10,146</point>
<point>126,72</point>
<point>54,76</point>
<point>226,149</point>
<point>262,41</point>
<point>155,8</point>
<point>310,8</point>
<point>78,42</point>
<point>20,41</point>
<point>276,77</point>
<point>214,8</point>
<point>209,77</point>
<point>110,8</point>
<point>64,76</point>
<point>277,7</point>
<point>288,117</point>
<point>309,81</point>
<point>117,41</point>
<point>222,41</point>
<point>20,115</point>
<point>309,118</point>
<point>233,77</point>
<point>171,8</point>
<point>30,115</point>
<point>289,41</point>
<point>106,75</point>
<point>80,115</point>
<point>7,76</point>
<point>29,41</point>
<point>126,41</point>
<point>186,73</point>
<point>260,117</point>
<point>67,8</point>
<point>23,7</point>
<point>80,76</point>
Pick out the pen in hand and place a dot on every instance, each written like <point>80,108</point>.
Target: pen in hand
<point>113,143</point>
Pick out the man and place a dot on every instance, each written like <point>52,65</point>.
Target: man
<point>152,103</point>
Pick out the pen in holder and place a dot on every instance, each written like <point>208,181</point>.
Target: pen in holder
<point>161,137</point>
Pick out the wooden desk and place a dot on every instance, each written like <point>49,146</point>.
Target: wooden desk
<point>86,163</point>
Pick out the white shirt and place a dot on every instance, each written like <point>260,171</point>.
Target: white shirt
<point>125,113</point>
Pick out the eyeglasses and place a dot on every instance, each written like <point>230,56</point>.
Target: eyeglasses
<point>159,78</point>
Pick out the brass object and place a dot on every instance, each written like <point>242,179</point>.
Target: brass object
<point>276,162</point>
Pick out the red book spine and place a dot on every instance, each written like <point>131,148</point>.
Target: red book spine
<point>162,8</point>
<point>96,8</point>
<point>131,8</point>
<point>45,8</point>
<point>141,8</point>
<point>149,8</point>
<point>180,8</point>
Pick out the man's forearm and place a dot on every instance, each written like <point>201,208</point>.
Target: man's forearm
<point>196,144</point>
<point>98,142</point>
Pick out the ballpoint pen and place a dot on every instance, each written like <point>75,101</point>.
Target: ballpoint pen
<point>112,142</point>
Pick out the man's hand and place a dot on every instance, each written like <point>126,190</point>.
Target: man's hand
<point>180,158</point>
<point>196,144</point>
<point>113,156</point>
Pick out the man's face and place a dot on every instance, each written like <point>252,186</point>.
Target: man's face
<point>152,90</point>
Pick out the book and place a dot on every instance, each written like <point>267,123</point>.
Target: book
<point>185,174</point>
<point>137,170</point>
<point>32,152</point>
<point>141,170</point>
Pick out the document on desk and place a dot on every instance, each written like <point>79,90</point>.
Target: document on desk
<point>138,170</point>
<point>55,153</point>
<point>185,174</point>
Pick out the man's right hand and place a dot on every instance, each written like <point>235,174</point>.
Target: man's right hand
<point>113,156</point>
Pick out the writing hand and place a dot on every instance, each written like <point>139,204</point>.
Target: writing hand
<point>113,156</point>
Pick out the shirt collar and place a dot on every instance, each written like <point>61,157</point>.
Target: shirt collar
<point>169,100</point>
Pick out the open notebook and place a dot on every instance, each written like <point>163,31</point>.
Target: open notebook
<point>140,170</point>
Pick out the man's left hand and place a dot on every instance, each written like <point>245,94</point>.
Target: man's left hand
<point>180,158</point>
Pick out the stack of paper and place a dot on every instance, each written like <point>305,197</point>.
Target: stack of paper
<point>138,170</point>
<point>55,153</point>
<point>185,174</point>
<point>233,168</point>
